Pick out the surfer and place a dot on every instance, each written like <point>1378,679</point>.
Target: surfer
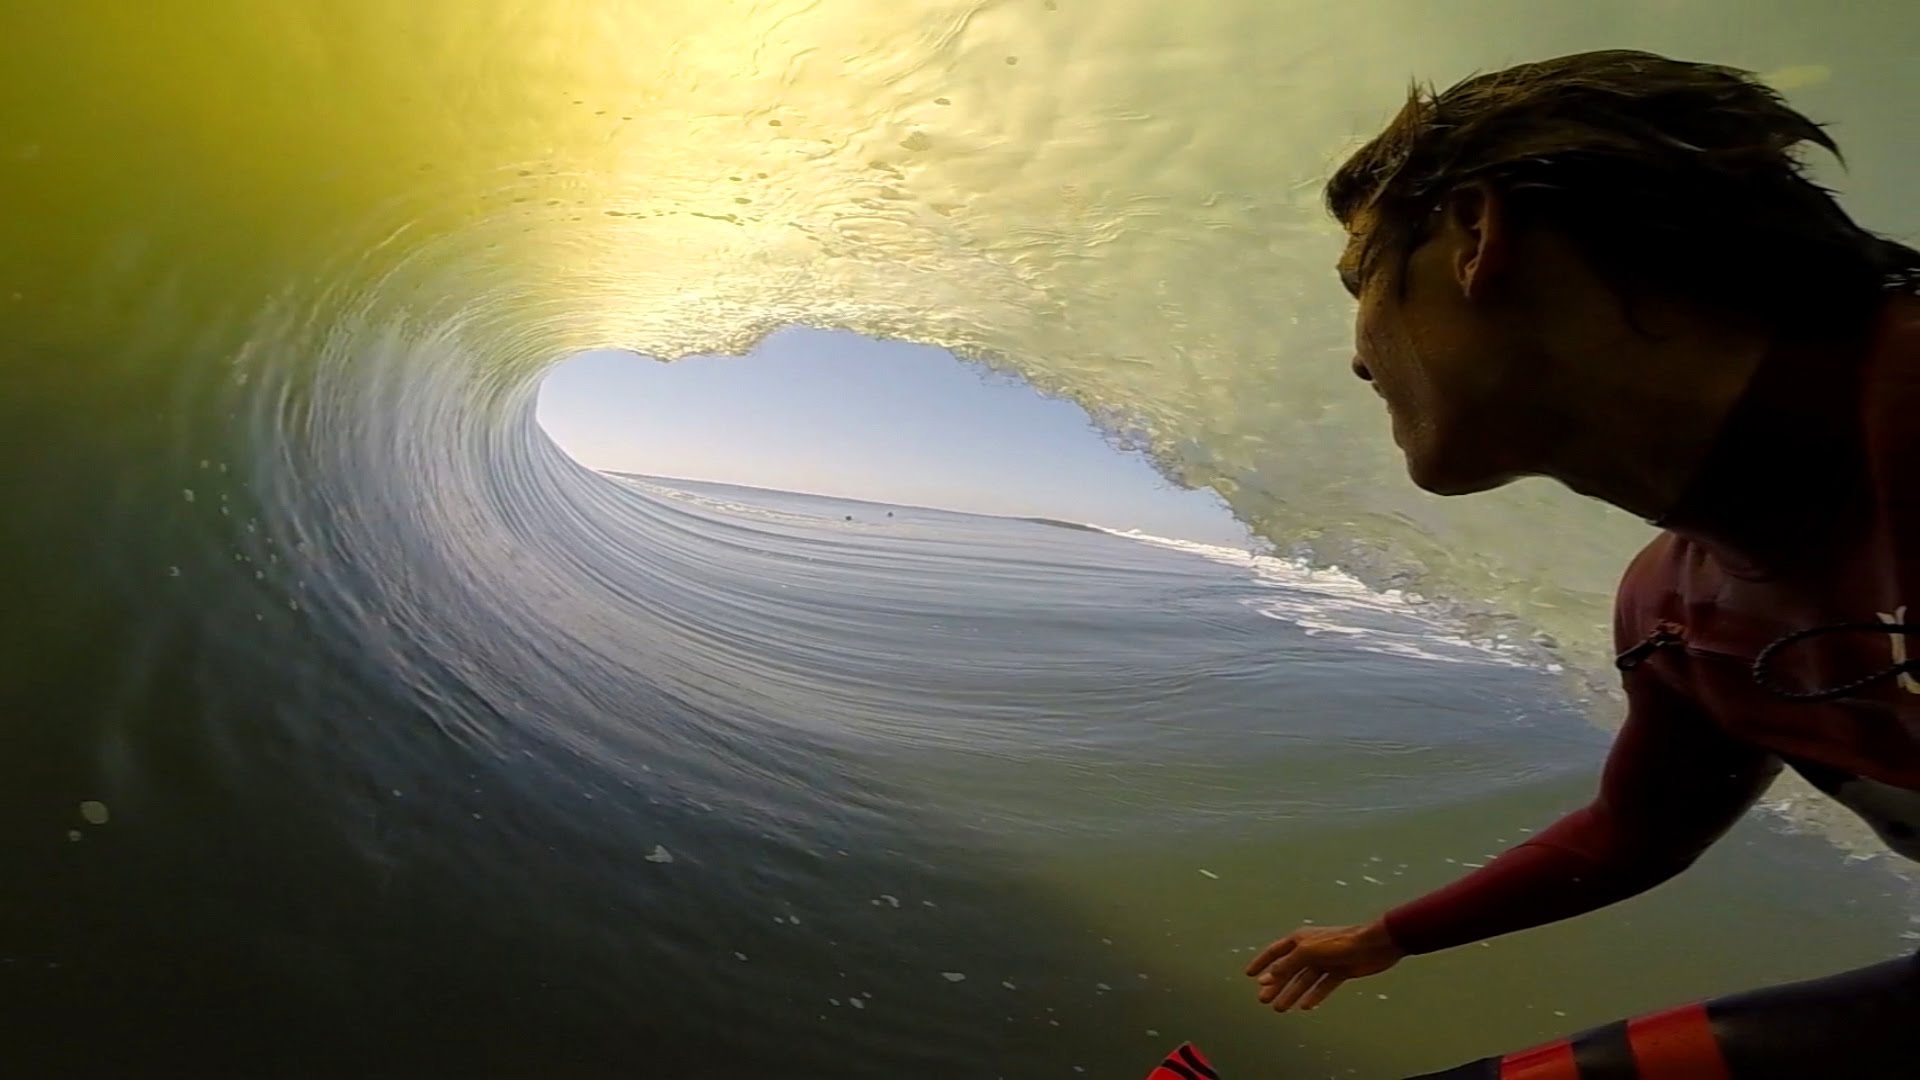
<point>1610,269</point>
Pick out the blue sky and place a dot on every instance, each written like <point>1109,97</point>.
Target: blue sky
<point>835,413</point>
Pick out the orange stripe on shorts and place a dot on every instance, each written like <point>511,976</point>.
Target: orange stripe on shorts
<point>1553,1061</point>
<point>1677,1045</point>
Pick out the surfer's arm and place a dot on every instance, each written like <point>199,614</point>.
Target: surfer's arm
<point>1674,782</point>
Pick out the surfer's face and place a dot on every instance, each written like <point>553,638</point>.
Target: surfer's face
<point>1449,368</point>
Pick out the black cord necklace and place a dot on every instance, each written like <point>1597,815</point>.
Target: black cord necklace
<point>1764,677</point>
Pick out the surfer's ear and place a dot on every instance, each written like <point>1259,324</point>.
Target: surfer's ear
<point>1475,226</point>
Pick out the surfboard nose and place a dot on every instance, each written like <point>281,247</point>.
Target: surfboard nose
<point>1185,1063</point>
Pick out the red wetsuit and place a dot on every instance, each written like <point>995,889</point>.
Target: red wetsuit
<point>1801,532</point>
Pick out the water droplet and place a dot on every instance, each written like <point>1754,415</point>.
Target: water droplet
<point>187,494</point>
<point>73,835</point>
<point>93,812</point>
<point>660,855</point>
<point>954,976</point>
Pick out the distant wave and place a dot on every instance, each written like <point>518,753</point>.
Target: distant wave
<point>1056,523</point>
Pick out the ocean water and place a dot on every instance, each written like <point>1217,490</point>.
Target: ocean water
<point>813,787</point>
<point>351,729</point>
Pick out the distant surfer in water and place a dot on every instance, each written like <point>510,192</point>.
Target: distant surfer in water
<point>1609,269</point>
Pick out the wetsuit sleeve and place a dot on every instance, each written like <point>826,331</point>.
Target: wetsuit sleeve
<point>1672,785</point>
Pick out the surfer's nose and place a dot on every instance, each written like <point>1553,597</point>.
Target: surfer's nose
<point>1361,370</point>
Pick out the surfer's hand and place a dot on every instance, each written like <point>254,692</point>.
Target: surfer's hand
<point>1311,963</point>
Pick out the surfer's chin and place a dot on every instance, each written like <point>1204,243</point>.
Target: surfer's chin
<point>1439,477</point>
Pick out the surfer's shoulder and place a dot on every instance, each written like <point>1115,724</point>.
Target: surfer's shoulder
<point>1650,586</point>
<point>1658,566</point>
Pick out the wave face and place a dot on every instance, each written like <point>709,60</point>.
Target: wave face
<point>425,747</point>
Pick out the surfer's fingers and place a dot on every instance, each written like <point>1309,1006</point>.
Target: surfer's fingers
<point>1296,987</point>
<point>1284,973</point>
<point>1272,953</point>
<point>1282,991</point>
<point>1321,991</point>
<point>1271,990</point>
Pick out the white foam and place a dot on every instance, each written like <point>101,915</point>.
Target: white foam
<point>1331,601</point>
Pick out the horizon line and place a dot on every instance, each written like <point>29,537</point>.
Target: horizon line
<point>1061,522</point>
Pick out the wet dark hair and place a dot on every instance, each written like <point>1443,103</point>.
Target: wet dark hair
<point>1670,177</point>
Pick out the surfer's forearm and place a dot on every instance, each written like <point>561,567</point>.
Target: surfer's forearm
<point>1673,784</point>
<point>1546,880</point>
